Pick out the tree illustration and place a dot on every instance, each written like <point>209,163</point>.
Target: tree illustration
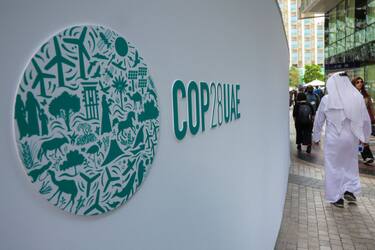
<point>120,84</point>
<point>150,111</point>
<point>64,106</point>
<point>73,159</point>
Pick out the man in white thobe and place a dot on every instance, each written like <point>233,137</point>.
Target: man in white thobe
<point>347,125</point>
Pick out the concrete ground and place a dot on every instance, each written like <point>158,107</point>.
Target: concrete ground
<point>309,222</point>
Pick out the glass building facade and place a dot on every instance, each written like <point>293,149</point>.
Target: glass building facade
<point>350,40</point>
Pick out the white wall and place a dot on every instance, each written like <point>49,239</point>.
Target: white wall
<point>223,189</point>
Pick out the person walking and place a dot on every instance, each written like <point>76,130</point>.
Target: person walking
<point>319,92</point>
<point>20,116</point>
<point>32,109</point>
<point>303,114</point>
<point>359,84</point>
<point>312,98</point>
<point>347,122</point>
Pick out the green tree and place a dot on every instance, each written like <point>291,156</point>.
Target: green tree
<point>294,77</point>
<point>313,72</point>
<point>64,106</point>
<point>73,159</point>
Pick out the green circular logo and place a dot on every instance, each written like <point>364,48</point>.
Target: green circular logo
<point>87,120</point>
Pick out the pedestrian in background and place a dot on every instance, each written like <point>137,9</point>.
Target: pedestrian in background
<point>319,92</point>
<point>360,86</point>
<point>347,122</point>
<point>303,114</point>
<point>312,98</point>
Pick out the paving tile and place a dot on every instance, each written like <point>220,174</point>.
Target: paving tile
<point>325,248</point>
<point>311,223</point>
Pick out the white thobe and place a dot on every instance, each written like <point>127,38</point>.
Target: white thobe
<point>340,154</point>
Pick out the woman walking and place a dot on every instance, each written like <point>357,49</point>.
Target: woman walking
<point>359,84</point>
<point>347,122</point>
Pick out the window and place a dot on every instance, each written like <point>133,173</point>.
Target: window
<point>320,32</point>
<point>340,20</point>
<point>293,7</point>
<point>308,57</point>
<point>360,37</point>
<point>370,33</point>
<point>340,46</point>
<point>371,12</point>
<point>370,79</point>
<point>332,49</point>
<point>349,42</point>
<point>350,17</point>
<point>326,30</point>
<point>320,44</point>
<point>332,26</point>
<point>294,58</point>
<point>360,14</point>
<point>294,44</point>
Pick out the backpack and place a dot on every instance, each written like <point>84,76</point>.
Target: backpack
<point>304,115</point>
<point>313,99</point>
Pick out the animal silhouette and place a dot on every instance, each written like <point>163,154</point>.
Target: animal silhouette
<point>128,189</point>
<point>35,173</point>
<point>136,98</point>
<point>123,125</point>
<point>64,186</point>
<point>52,144</point>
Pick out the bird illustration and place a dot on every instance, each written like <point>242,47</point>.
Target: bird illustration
<point>93,150</point>
<point>136,59</point>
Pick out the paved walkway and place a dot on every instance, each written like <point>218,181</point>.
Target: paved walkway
<point>309,222</point>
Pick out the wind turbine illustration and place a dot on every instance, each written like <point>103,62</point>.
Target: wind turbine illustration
<point>110,179</point>
<point>96,206</point>
<point>82,52</point>
<point>58,60</point>
<point>40,78</point>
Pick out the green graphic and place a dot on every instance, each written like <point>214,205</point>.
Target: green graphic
<point>87,120</point>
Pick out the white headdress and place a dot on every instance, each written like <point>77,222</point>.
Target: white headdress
<point>345,101</point>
